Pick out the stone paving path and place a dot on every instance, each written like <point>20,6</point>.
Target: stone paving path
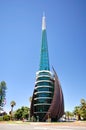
<point>43,126</point>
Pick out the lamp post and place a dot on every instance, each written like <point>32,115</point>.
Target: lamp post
<point>30,99</point>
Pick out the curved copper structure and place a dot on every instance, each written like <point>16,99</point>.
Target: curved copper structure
<point>56,109</point>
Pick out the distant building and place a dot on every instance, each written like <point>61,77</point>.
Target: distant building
<point>47,100</point>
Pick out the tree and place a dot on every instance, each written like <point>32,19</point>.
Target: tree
<point>83,109</point>
<point>80,110</point>
<point>2,94</point>
<point>83,102</point>
<point>21,113</point>
<point>69,115</point>
<point>77,112</point>
<point>18,114</point>
<point>12,103</point>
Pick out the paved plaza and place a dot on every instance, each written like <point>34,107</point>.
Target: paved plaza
<point>38,126</point>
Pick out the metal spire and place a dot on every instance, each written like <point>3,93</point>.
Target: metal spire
<point>43,22</point>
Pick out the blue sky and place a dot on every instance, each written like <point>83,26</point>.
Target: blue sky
<point>20,43</point>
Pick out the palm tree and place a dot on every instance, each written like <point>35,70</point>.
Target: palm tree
<point>12,103</point>
<point>83,102</point>
<point>77,112</point>
<point>83,109</point>
<point>69,115</point>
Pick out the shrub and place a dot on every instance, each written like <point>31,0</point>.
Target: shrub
<point>1,118</point>
<point>6,117</point>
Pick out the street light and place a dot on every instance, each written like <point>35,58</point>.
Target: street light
<point>30,99</point>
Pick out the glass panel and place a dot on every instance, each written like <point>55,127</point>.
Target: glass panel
<point>44,60</point>
<point>41,108</point>
<point>44,84</point>
<point>44,95</point>
<point>43,78</point>
<point>38,101</point>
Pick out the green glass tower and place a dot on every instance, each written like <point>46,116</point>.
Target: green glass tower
<point>44,80</point>
<point>44,59</point>
<point>44,96</point>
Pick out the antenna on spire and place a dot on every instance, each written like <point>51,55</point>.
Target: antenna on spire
<point>43,22</point>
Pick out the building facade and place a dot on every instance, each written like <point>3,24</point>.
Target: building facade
<point>47,100</point>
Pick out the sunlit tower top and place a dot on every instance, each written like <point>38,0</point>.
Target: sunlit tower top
<point>44,58</point>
